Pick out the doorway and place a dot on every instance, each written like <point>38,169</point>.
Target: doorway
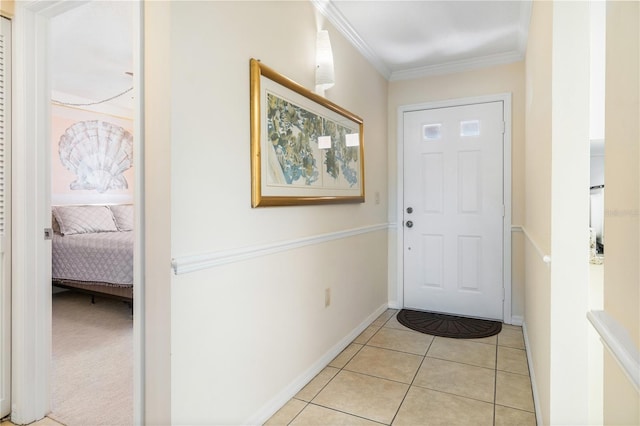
<point>31,299</point>
<point>454,185</point>
<point>92,184</point>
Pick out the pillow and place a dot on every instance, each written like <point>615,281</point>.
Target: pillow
<point>123,215</point>
<point>84,219</point>
<point>54,224</point>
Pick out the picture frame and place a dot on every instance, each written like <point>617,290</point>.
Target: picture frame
<point>304,148</point>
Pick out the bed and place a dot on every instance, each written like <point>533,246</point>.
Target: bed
<point>92,249</point>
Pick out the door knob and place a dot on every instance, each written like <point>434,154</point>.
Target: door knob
<point>409,224</point>
<point>409,210</point>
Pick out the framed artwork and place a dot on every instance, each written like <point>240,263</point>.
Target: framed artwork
<point>304,148</point>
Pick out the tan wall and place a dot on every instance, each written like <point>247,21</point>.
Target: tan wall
<point>537,197</point>
<point>622,199</point>
<point>241,333</point>
<point>7,8</point>
<point>622,176</point>
<point>488,81</point>
<point>157,214</point>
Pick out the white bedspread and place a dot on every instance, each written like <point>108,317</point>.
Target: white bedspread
<point>103,257</point>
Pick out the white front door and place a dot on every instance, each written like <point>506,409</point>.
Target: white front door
<point>454,210</point>
<point>5,217</point>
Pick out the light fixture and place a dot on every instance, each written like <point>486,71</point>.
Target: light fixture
<point>324,63</point>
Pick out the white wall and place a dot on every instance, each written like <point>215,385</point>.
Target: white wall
<point>570,213</point>
<point>243,335</point>
<point>557,178</point>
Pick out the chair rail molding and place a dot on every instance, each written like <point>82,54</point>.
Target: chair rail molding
<point>616,339</point>
<point>185,264</point>
<point>546,258</point>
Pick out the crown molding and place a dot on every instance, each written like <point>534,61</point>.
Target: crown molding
<point>525,22</point>
<point>458,66</point>
<point>335,17</point>
<point>329,11</point>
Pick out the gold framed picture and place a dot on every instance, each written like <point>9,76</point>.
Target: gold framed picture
<point>304,148</point>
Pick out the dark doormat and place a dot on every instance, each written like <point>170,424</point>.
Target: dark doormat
<point>448,325</point>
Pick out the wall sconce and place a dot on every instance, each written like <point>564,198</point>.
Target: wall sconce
<point>325,78</point>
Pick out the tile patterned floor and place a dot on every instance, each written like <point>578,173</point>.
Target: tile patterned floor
<point>44,422</point>
<point>392,375</point>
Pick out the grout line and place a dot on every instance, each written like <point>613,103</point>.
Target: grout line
<point>347,413</point>
<point>306,404</point>
<point>412,383</point>
<point>495,382</point>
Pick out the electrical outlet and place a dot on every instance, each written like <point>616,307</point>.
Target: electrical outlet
<point>327,297</point>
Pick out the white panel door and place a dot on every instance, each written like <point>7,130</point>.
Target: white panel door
<point>454,210</point>
<point>5,217</point>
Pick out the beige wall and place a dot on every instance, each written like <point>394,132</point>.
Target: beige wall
<point>7,8</point>
<point>622,199</point>
<point>622,177</point>
<point>538,200</point>
<point>488,81</point>
<point>157,214</point>
<point>242,334</point>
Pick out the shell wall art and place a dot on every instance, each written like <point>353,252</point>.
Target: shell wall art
<point>98,152</point>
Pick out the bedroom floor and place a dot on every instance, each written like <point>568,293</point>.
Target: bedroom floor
<point>92,381</point>
<point>393,375</point>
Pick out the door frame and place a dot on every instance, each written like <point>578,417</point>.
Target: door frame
<point>31,294</point>
<point>5,237</point>
<point>505,98</point>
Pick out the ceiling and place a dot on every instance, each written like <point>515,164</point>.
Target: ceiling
<point>410,39</point>
<point>92,43</point>
<point>91,53</point>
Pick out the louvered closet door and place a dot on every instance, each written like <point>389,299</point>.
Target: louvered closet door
<point>5,217</point>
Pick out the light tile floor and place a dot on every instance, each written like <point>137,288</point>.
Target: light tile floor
<point>392,375</point>
<point>44,422</point>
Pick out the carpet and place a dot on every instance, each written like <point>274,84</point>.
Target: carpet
<point>92,380</point>
<point>444,325</point>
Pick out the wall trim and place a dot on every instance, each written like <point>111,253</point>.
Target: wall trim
<point>546,258</point>
<point>532,376</point>
<point>459,66</point>
<point>31,341</point>
<point>192,263</point>
<point>333,15</point>
<point>616,339</point>
<point>271,407</point>
<point>517,320</point>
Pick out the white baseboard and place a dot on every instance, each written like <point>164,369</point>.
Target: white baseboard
<point>517,320</point>
<point>277,402</point>
<point>532,376</point>
<point>393,304</point>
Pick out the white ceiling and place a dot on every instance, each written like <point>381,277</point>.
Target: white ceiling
<point>409,39</point>
<point>91,52</point>
<point>92,43</point>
